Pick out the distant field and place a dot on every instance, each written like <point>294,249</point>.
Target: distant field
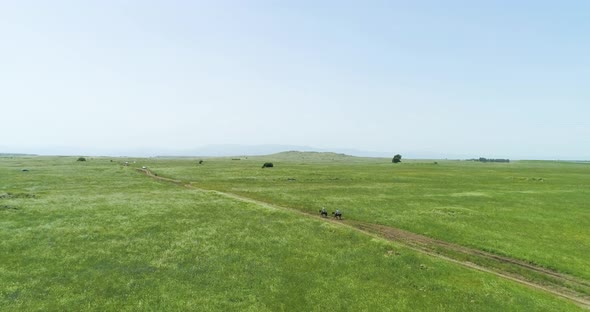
<point>532,210</point>
<point>97,235</point>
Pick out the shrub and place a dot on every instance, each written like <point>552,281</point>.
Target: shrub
<point>397,159</point>
<point>267,165</point>
<point>81,159</point>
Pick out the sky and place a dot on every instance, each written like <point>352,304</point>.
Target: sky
<point>504,79</point>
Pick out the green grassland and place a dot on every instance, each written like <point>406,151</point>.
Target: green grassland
<point>531,210</point>
<point>97,235</point>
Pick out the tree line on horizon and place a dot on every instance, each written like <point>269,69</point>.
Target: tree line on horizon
<point>483,159</point>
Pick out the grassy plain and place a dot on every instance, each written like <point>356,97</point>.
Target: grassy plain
<point>536,211</point>
<point>96,235</point>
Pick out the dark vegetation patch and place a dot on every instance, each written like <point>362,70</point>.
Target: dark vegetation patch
<point>17,195</point>
<point>533,179</point>
<point>483,159</point>
<point>8,207</point>
<point>267,165</point>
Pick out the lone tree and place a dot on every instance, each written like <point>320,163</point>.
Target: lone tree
<point>81,159</point>
<point>267,165</point>
<point>397,159</point>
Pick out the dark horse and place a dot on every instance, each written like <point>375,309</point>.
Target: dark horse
<point>337,215</point>
<point>324,214</point>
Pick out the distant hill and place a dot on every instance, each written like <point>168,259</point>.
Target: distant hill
<point>312,155</point>
<point>304,156</point>
<point>15,155</point>
<point>253,150</point>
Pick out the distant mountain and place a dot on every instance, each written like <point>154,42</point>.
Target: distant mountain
<point>15,154</point>
<point>241,150</point>
<point>253,150</point>
<point>217,150</point>
<point>310,156</point>
<point>221,150</point>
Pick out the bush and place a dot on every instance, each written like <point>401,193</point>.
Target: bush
<point>397,159</point>
<point>81,159</point>
<point>200,162</point>
<point>267,165</point>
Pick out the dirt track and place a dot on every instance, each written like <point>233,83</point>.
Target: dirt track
<point>559,284</point>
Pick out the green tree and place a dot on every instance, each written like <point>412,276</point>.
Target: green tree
<point>397,159</point>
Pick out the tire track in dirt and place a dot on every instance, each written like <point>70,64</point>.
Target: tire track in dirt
<point>560,284</point>
<point>575,289</point>
<point>399,234</point>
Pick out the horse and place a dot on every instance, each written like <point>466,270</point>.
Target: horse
<point>324,214</point>
<point>337,215</point>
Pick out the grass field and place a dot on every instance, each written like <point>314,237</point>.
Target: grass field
<point>531,210</point>
<point>97,235</point>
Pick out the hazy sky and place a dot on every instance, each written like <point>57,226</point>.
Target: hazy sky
<point>481,78</point>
